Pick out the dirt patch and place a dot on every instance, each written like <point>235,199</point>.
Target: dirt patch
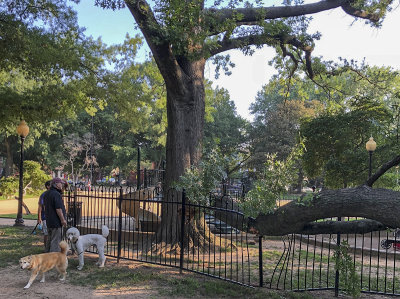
<point>153,282</point>
<point>13,279</point>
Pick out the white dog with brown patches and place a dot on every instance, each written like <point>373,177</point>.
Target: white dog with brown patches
<point>41,263</point>
<point>81,243</point>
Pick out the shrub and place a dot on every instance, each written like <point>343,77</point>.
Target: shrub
<point>34,179</point>
<point>8,186</point>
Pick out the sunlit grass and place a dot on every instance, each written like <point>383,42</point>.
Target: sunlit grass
<point>17,242</point>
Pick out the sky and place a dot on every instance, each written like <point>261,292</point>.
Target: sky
<point>341,37</point>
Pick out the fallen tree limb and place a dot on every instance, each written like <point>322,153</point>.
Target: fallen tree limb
<point>381,206</point>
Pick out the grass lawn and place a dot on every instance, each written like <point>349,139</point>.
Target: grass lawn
<point>25,197</point>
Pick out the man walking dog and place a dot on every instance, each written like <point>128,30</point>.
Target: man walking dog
<point>55,214</point>
<point>41,215</point>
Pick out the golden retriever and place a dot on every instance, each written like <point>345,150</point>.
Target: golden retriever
<point>41,263</point>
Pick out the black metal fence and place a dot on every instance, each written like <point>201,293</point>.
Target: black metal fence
<point>137,232</point>
<point>145,226</point>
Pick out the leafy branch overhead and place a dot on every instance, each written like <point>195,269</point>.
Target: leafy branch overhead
<point>192,30</point>
<point>48,67</point>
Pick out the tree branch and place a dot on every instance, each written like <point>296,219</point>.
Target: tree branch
<point>385,167</point>
<point>373,17</point>
<point>260,39</point>
<point>344,227</point>
<point>158,44</point>
<point>251,15</point>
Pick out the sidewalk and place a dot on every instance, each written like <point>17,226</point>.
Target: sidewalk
<point>11,222</point>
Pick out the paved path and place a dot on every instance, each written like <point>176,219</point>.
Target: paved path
<point>10,222</point>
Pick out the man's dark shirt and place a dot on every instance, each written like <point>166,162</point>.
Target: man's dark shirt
<point>53,200</point>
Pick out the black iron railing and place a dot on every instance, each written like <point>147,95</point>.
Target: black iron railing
<point>165,228</point>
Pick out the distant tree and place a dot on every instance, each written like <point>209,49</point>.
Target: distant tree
<point>278,111</point>
<point>226,131</point>
<point>277,118</point>
<point>335,140</point>
<point>33,181</point>
<point>76,151</point>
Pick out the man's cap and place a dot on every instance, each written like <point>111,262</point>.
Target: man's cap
<point>59,181</point>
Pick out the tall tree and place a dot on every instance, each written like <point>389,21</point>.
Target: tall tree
<point>182,35</point>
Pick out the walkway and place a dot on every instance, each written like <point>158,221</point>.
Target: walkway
<point>11,222</point>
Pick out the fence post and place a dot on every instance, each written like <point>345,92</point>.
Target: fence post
<point>119,224</point>
<point>337,278</point>
<point>260,261</point>
<point>182,231</point>
<point>73,207</point>
<point>138,169</point>
<point>145,178</point>
<point>69,216</point>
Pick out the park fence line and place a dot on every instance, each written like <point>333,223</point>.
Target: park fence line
<point>293,262</point>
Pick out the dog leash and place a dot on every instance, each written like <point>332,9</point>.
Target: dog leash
<point>77,250</point>
<point>65,238</point>
<point>31,233</point>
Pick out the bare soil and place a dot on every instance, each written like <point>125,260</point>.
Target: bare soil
<point>13,279</point>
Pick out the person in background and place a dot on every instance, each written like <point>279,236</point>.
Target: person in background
<point>55,214</point>
<point>41,215</point>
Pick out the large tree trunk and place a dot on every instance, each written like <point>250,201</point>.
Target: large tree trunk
<point>185,111</point>
<point>184,80</point>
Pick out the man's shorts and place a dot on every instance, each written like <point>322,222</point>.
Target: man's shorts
<point>44,228</point>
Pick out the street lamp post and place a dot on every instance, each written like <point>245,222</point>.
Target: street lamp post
<point>22,131</point>
<point>370,146</point>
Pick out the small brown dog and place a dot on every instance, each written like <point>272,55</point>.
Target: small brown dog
<point>41,263</point>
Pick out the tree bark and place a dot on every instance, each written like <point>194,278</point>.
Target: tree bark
<point>185,122</point>
<point>184,142</point>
